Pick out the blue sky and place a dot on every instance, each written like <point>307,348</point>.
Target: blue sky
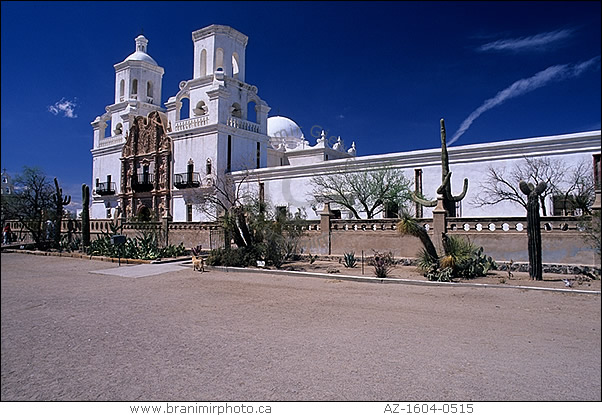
<point>381,74</point>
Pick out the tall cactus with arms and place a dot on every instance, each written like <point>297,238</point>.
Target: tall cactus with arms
<point>59,202</point>
<point>449,201</point>
<point>533,226</point>
<point>85,216</point>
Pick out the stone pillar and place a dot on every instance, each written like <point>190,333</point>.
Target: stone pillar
<point>165,221</point>
<point>439,225</point>
<point>325,217</point>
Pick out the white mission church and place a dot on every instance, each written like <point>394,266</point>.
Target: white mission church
<point>149,158</point>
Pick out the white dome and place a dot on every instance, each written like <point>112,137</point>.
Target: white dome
<point>140,56</point>
<point>283,127</point>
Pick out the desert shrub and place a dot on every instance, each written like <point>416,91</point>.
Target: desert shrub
<point>382,263</point>
<point>143,246</point>
<point>463,259</point>
<point>349,260</point>
<point>234,257</point>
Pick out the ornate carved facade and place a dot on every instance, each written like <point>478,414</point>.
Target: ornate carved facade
<point>145,168</point>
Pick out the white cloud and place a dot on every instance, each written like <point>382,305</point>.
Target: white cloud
<point>531,42</point>
<point>522,86</point>
<point>65,107</point>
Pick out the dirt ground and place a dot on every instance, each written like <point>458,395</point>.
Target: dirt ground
<point>578,282</point>
<point>70,334</point>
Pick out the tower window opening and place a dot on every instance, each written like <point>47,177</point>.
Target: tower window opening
<point>236,110</point>
<point>200,108</point>
<point>149,91</point>
<point>208,167</point>
<point>203,63</point>
<point>251,111</point>
<point>121,89</point>
<point>134,91</point>
<point>235,66</point>
<point>219,58</point>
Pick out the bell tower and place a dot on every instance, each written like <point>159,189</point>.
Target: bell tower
<point>218,49</point>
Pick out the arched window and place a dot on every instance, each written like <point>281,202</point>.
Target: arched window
<point>134,90</point>
<point>235,66</point>
<point>251,112</point>
<point>208,167</point>
<point>203,62</point>
<point>149,89</point>
<point>200,108</point>
<point>121,89</point>
<point>236,111</point>
<point>184,108</point>
<point>219,58</point>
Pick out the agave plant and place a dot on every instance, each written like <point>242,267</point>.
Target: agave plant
<point>349,260</point>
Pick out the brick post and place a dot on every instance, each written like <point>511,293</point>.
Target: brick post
<point>325,217</point>
<point>439,225</point>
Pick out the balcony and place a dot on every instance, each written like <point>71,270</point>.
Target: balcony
<point>144,182</point>
<point>187,180</point>
<point>106,188</point>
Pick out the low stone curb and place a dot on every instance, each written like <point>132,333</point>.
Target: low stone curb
<point>392,280</point>
<point>80,256</point>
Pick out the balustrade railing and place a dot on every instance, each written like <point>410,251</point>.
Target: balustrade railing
<point>190,123</point>
<point>243,124</point>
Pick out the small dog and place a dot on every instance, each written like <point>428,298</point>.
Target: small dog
<point>198,264</point>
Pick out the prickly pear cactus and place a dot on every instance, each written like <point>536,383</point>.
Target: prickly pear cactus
<point>449,201</point>
<point>533,227</point>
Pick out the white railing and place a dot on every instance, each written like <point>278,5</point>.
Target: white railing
<point>191,123</point>
<point>109,141</point>
<point>243,124</point>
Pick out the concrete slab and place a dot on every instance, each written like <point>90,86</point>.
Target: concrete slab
<point>139,271</point>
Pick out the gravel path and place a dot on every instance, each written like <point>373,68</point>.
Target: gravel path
<point>68,334</point>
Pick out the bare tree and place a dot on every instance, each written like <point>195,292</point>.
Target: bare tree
<point>369,190</point>
<point>225,200</point>
<point>503,186</point>
<point>31,203</point>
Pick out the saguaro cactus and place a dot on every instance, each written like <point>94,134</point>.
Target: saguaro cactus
<point>59,202</point>
<point>533,226</point>
<point>86,215</point>
<point>449,201</point>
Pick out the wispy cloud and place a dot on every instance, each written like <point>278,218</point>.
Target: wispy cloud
<point>65,107</point>
<point>538,41</point>
<point>521,87</point>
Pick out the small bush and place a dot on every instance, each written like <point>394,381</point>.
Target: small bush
<point>382,263</point>
<point>237,257</point>
<point>349,260</point>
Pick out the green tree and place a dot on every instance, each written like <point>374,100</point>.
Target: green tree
<point>369,191</point>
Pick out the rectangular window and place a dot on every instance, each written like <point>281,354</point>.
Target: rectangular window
<point>258,154</point>
<point>108,213</point>
<point>229,160</point>
<point>281,212</point>
<point>188,213</point>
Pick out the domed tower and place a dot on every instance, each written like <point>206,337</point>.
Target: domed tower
<point>138,77</point>
<point>138,83</point>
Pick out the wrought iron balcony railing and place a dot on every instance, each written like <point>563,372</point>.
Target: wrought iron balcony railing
<point>105,188</point>
<point>143,182</point>
<point>186,180</point>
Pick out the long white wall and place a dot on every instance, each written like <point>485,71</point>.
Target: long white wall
<point>290,185</point>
